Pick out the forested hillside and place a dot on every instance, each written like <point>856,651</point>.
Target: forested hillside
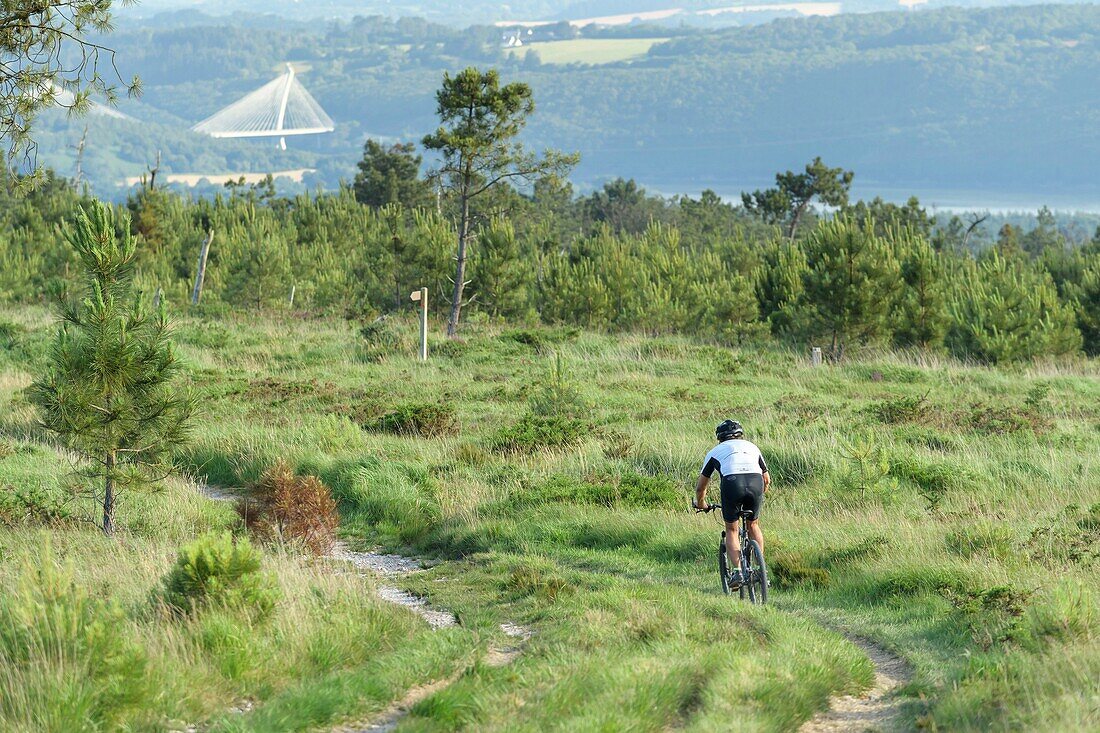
<point>988,100</point>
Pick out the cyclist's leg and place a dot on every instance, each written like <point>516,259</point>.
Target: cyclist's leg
<point>755,502</point>
<point>755,533</point>
<point>733,546</point>
<point>733,498</point>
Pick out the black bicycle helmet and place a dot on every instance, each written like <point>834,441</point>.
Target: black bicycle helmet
<point>728,429</point>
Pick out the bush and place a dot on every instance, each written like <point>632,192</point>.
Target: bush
<point>11,334</point>
<point>933,480</point>
<point>64,654</point>
<point>381,337</point>
<point>997,541</point>
<point>31,505</point>
<point>215,570</point>
<point>541,339</point>
<point>998,420</point>
<point>629,489</point>
<point>291,509</point>
<point>540,432</point>
<point>558,395</point>
<point>422,420</point>
<point>901,409</point>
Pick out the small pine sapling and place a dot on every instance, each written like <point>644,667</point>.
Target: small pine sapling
<point>108,392</point>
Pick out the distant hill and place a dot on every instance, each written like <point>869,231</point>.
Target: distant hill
<point>470,12</point>
<point>984,100</point>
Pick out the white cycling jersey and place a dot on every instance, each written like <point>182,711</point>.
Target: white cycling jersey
<point>734,456</point>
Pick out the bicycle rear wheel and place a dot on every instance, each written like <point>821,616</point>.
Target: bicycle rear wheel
<point>723,566</point>
<point>758,574</point>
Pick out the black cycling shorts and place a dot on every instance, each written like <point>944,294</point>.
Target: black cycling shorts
<point>742,491</point>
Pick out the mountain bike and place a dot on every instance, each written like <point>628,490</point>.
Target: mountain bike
<point>754,572</point>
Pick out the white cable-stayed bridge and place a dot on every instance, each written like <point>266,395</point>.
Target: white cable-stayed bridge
<point>279,108</point>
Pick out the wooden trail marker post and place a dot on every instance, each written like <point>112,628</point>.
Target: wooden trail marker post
<point>200,273</point>
<point>421,296</point>
<point>815,356</point>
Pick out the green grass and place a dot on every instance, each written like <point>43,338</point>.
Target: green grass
<point>588,50</point>
<point>967,545</point>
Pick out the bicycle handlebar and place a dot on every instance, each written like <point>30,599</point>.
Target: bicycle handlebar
<point>709,508</point>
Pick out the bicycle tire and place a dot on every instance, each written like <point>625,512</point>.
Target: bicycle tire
<point>723,570</point>
<point>758,578</point>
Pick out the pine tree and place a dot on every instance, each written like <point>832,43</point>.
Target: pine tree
<point>1005,309</point>
<point>261,275</point>
<point>779,285</point>
<point>922,319</point>
<point>1087,296</point>
<point>108,391</point>
<point>851,287</point>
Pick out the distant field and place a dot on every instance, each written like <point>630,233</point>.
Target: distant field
<point>589,50</point>
<point>194,179</point>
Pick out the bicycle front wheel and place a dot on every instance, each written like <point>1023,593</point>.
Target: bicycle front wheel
<point>758,574</point>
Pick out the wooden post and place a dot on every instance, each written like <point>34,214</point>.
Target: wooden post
<point>421,296</point>
<point>200,275</point>
<point>815,356</point>
<point>292,289</point>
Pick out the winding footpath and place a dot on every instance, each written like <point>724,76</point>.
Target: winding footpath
<point>393,566</point>
<point>876,709</point>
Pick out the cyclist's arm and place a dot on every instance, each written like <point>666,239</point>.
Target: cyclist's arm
<point>709,468</point>
<point>764,470</point>
<point>701,491</point>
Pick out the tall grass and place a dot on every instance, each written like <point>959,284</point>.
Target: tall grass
<point>971,556</point>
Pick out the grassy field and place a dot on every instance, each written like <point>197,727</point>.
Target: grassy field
<point>589,50</point>
<point>950,513</point>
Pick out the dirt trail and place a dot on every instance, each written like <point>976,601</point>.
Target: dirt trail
<point>372,562</point>
<point>390,566</point>
<point>873,710</point>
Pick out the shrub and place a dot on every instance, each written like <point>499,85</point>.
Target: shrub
<point>901,409</point>
<point>215,570</point>
<point>933,480</point>
<point>540,432</point>
<point>450,349</point>
<point>31,504</point>
<point>558,395</point>
<point>11,334</point>
<point>541,339</point>
<point>920,580</point>
<point>1072,534</point>
<point>381,338</point>
<point>867,548</point>
<point>292,509</point>
<point>204,334</point>
<point>423,420</point>
<point>868,471</point>
<point>999,420</point>
<point>65,651</point>
<point>927,438</point>
<point>629,489</point>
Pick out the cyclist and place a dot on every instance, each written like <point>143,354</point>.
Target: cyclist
<point>744,479</point>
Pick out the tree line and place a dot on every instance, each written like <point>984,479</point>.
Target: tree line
<point>619,259</point>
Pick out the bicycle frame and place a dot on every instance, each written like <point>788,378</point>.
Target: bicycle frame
<point>754,585</point>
